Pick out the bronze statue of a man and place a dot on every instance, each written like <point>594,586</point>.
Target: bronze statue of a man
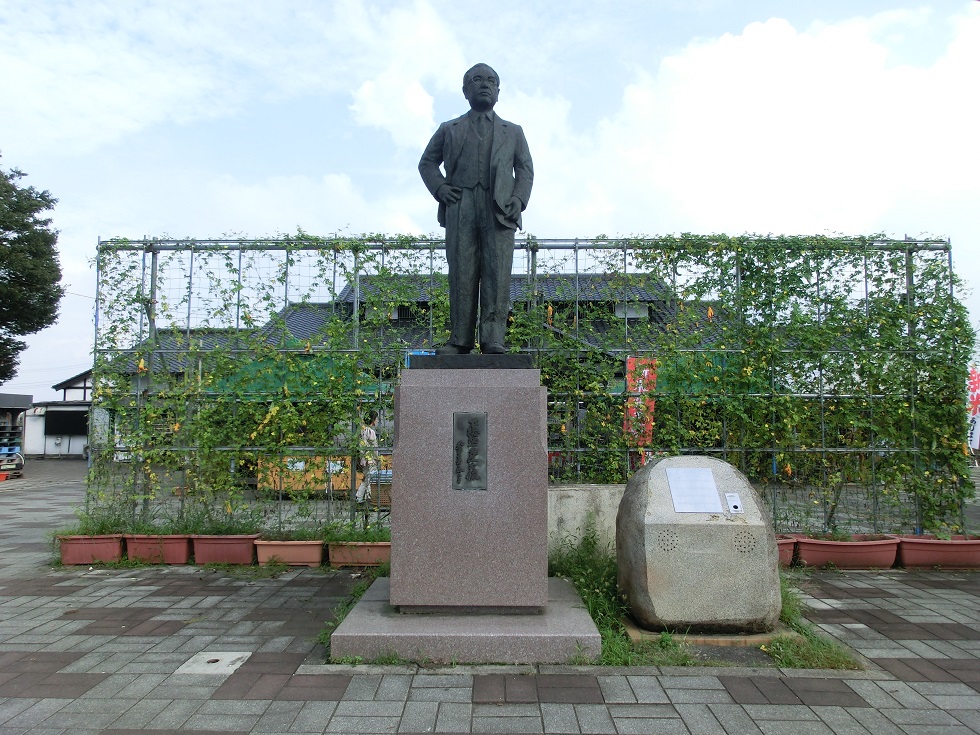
<point>481,195</point>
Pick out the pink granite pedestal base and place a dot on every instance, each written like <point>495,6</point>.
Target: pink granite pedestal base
<point>473,548</point>
<point>563,634</point>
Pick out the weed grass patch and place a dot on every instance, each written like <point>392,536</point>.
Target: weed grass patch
<point>591,567</point>
<point>340,612</point>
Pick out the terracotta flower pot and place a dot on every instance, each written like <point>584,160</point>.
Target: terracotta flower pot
<point>925,552</point>
<point>231,549</point>
<point>291,553</point>
<point>159,548</point>
<point>89,549</point>
<point>787,549</point>
<point>359,553</point>
<point>862,552</point>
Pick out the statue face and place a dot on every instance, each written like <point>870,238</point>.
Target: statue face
<point>481,87</point>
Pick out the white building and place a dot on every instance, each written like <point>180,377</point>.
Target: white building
<point>60,428</point>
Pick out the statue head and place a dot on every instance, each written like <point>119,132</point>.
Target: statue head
<point>481,85</point>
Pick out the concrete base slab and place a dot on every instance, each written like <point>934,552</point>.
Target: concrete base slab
<point>563,633</point>
<point>638,635</point>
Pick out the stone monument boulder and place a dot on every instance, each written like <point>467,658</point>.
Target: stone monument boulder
<point>696,549</point>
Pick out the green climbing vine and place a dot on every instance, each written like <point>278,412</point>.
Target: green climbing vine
<point>830,370</point>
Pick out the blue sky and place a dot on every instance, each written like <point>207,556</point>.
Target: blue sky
<point>250,117</point>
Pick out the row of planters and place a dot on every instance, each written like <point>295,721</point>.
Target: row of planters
<point>373,548</point>
<point>866,551</point>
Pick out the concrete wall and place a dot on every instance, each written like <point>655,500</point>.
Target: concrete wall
<point>572,508</point>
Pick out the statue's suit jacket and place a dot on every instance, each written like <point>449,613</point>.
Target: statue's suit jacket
<point>511,171</point>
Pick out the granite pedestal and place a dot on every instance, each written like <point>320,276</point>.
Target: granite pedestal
<point>469,510</point>
<point>469,527</point>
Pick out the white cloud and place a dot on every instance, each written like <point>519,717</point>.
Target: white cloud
<point>397,104</point>
<point>773,129</point>
<point>85,75</point>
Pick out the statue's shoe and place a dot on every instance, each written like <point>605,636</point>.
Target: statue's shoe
<point>492,349</point>
<point>452,350</point>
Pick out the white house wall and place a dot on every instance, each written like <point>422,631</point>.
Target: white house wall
<point>36,444</point>
<point>34,432</point>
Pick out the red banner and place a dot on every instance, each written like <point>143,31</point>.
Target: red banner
<point>641,381</point>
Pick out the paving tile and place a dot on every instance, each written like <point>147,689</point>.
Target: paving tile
<point>418,717</point>
<point>114,706</point>
<point>454,717</point>
<point>362,725</point>
<point>37,713</point>
<point>175,714</point>
<point>970,718</point>
<point>700,719</point>
<point>691,682</point>
<point>367,709</point>
<point>631,726</point>
<point>267,686</point>
<point>743,690</point>
<point>38,662</point>
<point>840,720</point>
<point>557,717</point>
<point>936,688</point>
<point>616,689</point>
<point>698,696</point>
<point>224,723</point>
<point>900,668</point>
<point>140,714</point>
<point>506,710</point>
<point>951,702</point>
<point>594,718</point>
<point>873,693</point>
<point>489,688</point>
<point>734,719</point>
<point>315,687</point>
<point>441,694</point>
<point>394,687</point>
<point>273,663</point>
<point>507,725</point>
<point>13,707</point>
<point>760,712</point>
<point>72,721</point>
<point>919,717</point>
<point>905,695</point>
<point>575,689</point>
<point>647,690</point>
<point>519,688</point>
<point>442,680</point>
<point>362,687</point>
<point>642,710</point>
<point>777,727</point>
<point>313,717</point>
<point>825,692</point>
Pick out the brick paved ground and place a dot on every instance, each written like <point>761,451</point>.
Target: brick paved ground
<point>108,651</point>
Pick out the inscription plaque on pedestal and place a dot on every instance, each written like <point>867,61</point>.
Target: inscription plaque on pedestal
<point>469,451</point>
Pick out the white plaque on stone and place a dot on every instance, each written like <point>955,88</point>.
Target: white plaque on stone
<point>693,490</point>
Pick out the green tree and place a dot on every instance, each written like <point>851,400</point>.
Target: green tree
<point>29,269</point>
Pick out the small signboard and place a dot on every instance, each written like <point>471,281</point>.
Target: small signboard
<point>734,501</point>
<point>693,490</point>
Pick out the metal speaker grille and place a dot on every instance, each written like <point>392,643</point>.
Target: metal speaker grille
<point>744,541</point>
<point>667,541</point>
